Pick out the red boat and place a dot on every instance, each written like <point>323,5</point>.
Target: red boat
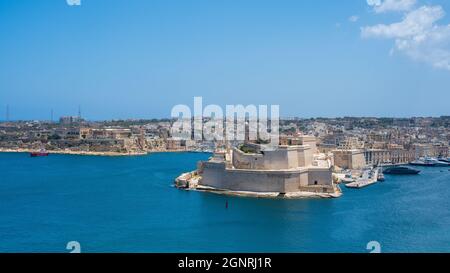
<point>40,153</point>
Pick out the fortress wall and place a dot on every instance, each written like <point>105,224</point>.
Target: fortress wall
<point>311,142</point>
<point>270,160</point>
<point>280,159</point>
<point>248,161</point>
<point>342,160</point>
<point>322,176</point>
<point>293,183</point>
<point>308,156</point>
<point>255,172</point>
<point>349,159</point>
<point>276,160</point>
<point>292,159</point>
<point>215,175</point>
<point>301,158</point>
<point>358,161</point>
<point>241,180</point>
<point>304,179</point>
<point>304,156</point>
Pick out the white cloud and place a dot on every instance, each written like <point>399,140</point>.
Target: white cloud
<point>373,2</point>
<point>418,36</point>
<point>414,23</point>
<point>353,18</point>
<point>391,5</point>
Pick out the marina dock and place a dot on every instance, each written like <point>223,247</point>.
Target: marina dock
<point>369,177</point>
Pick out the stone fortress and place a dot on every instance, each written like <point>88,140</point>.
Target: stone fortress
<point>293,169</point>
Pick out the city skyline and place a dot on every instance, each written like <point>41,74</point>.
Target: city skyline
<point>121,60</point>
<point>56,118</point>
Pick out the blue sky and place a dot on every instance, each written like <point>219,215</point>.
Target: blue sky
<point>137,59</point>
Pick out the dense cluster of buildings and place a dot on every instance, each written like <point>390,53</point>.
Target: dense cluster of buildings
<point>354,142</point>
<point>306,160</point>
<point>357,142</point>
<point>77,135</point>
<point>314,153</point>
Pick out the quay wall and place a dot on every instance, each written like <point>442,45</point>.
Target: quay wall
<point>214,174</point>
<point>283,158</point>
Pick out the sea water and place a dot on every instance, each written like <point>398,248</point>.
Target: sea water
<point>129,204</point>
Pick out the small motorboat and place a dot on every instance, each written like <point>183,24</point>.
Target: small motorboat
<point>42,152</point>
<point>380,176</point>
<point>348,178</point>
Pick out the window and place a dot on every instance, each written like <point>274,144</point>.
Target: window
<point>315,182</point>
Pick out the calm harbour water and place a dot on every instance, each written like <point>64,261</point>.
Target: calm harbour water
<point>128,204</point>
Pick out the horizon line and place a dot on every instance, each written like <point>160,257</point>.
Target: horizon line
<point>281,118</point>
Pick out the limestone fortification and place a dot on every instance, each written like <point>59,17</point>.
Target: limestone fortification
<point>293,169</point>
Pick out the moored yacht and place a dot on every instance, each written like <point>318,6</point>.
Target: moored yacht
<point>444,159</point>
<point>426,162</point>
<point>437,163</point>
<point>429,162</point>
<point>401,170</point>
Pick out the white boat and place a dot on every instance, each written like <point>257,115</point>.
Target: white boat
<point>380,177</point>
<point>436,162</point>
<point>369,177</point>
<point>348,178</point>
<point>426,162</point>
<point>444,159</point>
<point>442,164</point>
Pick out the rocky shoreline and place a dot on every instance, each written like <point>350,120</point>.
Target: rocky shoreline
<point>70,152</point>
<point>271,195</point>
<point>190,182</point>
<point>91,153</point>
